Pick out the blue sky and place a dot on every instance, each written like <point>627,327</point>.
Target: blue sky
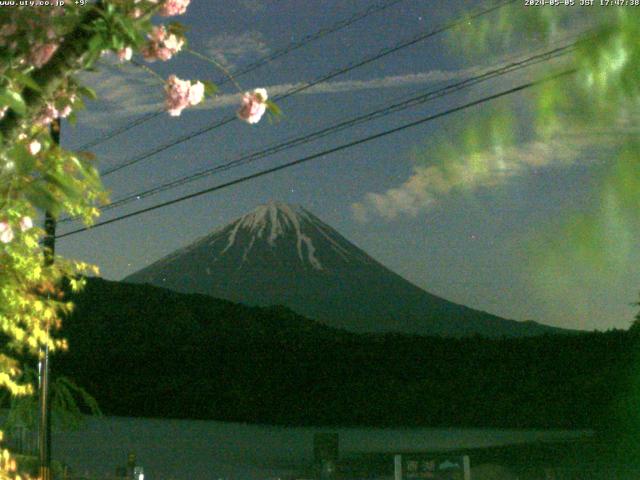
<point>485,241</point>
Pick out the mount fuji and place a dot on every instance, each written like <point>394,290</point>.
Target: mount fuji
<point>282,254</point>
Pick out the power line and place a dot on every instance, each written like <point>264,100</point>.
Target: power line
<point>255,65</point>
<point>378,113</point>
<point>114,133</point>
<point>351,66</point>
<point>314,36</point>
<point>324,152</point>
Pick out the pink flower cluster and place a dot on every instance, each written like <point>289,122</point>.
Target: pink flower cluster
<point>6,232</point>
<point>49,112</point>
<point>180,94</point>
<point>171,8</point>
<point>254,104</point>
<point>162,45</point>
<point>168,8</point>
<point>42,53</point>
<point>125,54</point>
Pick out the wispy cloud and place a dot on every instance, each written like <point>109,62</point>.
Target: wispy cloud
<point>394,81</point>
<point>123,91</point>
<point>233,49</point>
<point>429,184</point>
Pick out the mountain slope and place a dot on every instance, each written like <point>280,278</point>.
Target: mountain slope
<point>283,254</point>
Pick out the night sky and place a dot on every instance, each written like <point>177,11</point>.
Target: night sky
<point>494,242</point>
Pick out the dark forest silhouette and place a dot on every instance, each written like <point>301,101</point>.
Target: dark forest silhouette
<point>145,351</point>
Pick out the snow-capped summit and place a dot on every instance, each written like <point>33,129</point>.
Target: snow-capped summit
<point>281,254</point>
<point>301,240</point>
<point>279,221</point>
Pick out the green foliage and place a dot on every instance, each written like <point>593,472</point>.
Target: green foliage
<point>592,112</point>
<point>13,100</point>
<point>606,58</point>
<point>474,154</point>
<point>69,403</point>
<point>41,51</point>
<point>30,465</point>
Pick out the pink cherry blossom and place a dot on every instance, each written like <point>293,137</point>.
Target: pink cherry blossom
<point>174,7</point>
<point>47,115</point>
<point>158,34</point>
<point>173,43</point>
<point>253,105</point>
<point>180,94</point>
<point>177,95</point>
<point>163,53</point>
<point>34,147</point>
<point>67,109</point>
<point>196,93</point>
<point>162,45</point>
<point>26,223</point>
<point>41,54</point>
<point>6,233</point>
<point>65,112</point>
<point>125,54</point>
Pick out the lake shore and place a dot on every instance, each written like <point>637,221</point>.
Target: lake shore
<point>181,449</point>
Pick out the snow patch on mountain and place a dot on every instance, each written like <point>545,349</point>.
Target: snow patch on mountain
<point>271,222</point>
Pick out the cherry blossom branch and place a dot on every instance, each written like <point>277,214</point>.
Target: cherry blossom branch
<point>149,70</point>
<point>51,76</point>
<point>217,64</point>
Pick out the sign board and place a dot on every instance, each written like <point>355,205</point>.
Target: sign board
<point>433,467</point>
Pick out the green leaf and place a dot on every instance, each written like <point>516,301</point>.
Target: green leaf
<point>87,92</point>
<point>177,28</point>
<point>14,101</point>
<point>79,105</point>
<point>210,88</point>
<point>274,109</point>
<point>42,198</point>
<point>95,44</point>
<point>23,159</point>
<point>60,181</point>
<point>72,118</point>
<point>26,80</point>
<point>116,43</point>
<point>129,29</point>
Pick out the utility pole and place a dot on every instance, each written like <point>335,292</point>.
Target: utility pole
<point>44,427</point>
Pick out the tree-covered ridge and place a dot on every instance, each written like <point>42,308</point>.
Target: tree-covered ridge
<point>147,351</point>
